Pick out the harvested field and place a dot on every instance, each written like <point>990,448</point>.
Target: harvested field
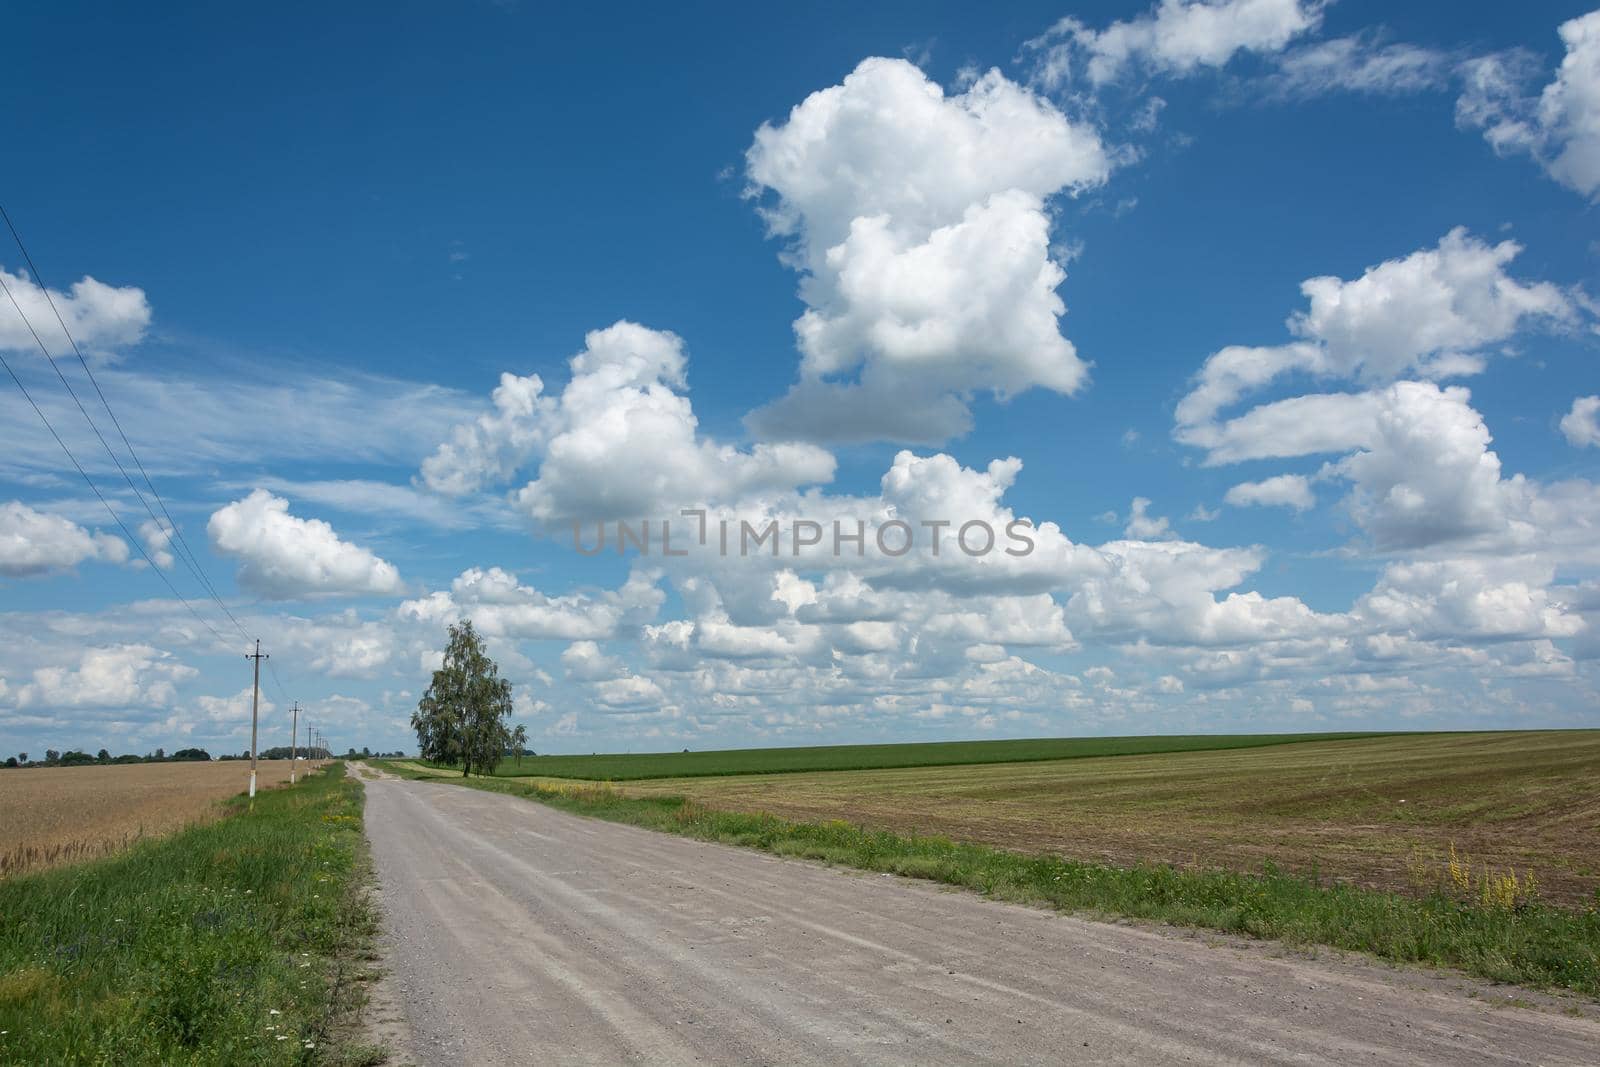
<point>56,815</point>
<point>624,767</point>
<point>1380,812</point>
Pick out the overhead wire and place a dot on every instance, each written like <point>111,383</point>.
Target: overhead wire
<point>96,489</point>
<point>181,548</point>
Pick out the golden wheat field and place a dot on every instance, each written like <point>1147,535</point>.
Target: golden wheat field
<point>55,815</point>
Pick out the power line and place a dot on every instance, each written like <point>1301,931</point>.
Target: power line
<point>96,489</point>
<point>89,372</point>
<point>182,549</point>
<point>83,411</point>
<point>283,691</point>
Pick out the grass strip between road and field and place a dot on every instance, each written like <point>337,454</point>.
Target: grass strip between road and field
<point>227,943</point>
<point>1532,944</point>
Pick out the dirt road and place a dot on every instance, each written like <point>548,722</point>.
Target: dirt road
<point>516,933</point>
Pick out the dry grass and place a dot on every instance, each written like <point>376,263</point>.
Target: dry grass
<point>1371,812</point>
<point>56,815</point>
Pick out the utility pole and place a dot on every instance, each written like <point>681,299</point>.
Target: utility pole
<point>255,704</point>
<point>294,734</point>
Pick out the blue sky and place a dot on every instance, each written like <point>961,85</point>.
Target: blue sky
<point>316,243</point>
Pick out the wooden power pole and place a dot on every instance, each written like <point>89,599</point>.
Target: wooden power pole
<point>255,703</point>
<point>294,735</point>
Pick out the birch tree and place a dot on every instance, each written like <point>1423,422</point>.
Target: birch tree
<point>463,715</point>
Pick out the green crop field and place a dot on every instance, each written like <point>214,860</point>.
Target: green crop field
<point>618,767</point>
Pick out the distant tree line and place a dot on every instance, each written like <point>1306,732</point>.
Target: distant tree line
<point>280,752</point>
<point>75,758</point>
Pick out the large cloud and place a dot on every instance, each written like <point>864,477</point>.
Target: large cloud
<point>620,442</point>
<point>113,676</point>
<point>918,223</point>
<point>1561,126</point>
<point>1432,313</point>
<point>501,606</point>
<point>343,645</point>
<point>100,316</point>
<point>1427,476</point>
<point>1419,459</point>
<point>1416,455</point>
<point>1428,311</point>
<point>1497,599</point>
<point>283,557</point>
<point>33,542</point>
<point>494,445</point>
<point>934,597</point>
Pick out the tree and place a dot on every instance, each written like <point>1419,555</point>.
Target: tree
<point>22,757</point>
<point>103,756</point>
<point>463,714</point>
<point>52,756</point>
<point>519,741</point>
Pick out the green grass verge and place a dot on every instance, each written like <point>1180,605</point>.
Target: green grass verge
<point>1537,945</point>
<point>619,767</point>
<point>221,944</point>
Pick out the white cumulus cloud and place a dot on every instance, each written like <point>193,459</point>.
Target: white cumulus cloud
<point>584,661</point>
<point>100,316</point>
<point>1425,311</point>
<point>1561,126</point>
<point>34,542</point>
<point>918,222</point>
<point>620,442</point>
<point>1176,37</point>
<point>501,606</point>
<point>1433,313</point>
<point>1415,455</point>
<point>1281,491</point>
<point>282,557</point>
<point>1581,425</point>
<point>107,677</point>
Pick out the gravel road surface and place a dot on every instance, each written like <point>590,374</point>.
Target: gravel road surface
<point>515,933</point>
